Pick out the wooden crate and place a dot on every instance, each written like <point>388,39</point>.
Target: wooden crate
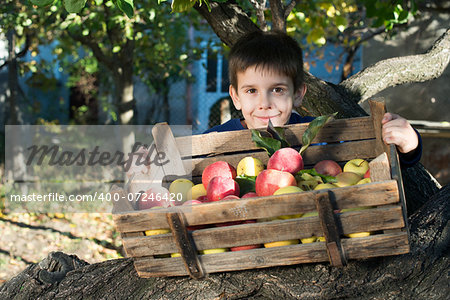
<point>362,139</point>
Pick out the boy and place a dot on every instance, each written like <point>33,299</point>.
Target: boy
<point>266,82</point>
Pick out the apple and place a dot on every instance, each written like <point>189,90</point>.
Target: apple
<point>357,165</point>
<point>230,197</point>
<point>155,196</point>
<point>364,180</point>
<point>249,195</point>
<point>212,251</point>
<point>180,188</point>
<point>328,167</point>
<point>219,187</point>
<point>367,174</point>
<point>347,178</point>
<point>175,255</point>
<point>203,198</point>
<point>192,202</point>
<point>322,186</point>
<point>321,239</point>
<point>218,168</point>
<point>268,181</point>
<point>249,166</point>
<point>196,191</point>
<point>288,190</point>
<point>246,247</point>
<point>281,243</point>
<point>287,160</point>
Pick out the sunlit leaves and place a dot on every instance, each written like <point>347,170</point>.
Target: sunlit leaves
<point>74,6</point>
<point>126,6</point>
<point>42,2</point>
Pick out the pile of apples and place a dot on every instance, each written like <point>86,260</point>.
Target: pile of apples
<point>283,175</point>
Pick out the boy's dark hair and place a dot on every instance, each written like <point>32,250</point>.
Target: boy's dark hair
<point>267,50</point>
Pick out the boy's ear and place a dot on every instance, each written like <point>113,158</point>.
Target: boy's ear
<point>299,94</point>
<point>234,97</point>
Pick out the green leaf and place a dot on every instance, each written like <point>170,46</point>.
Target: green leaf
<point>74,6</point>
<point>313,172</point>
<point>246,184</point>
<point>278,134</point>
<point>312,130</point>
<point>269,144</point>
<point>182,5</point>
<point>126,6</point>
<point>42,2</point>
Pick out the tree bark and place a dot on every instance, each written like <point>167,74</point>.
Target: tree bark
<point>421,274</point>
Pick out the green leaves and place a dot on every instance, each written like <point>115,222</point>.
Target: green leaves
<point>74,6</point>
<point>313,172</point>
<point>313,128</point>
<point>126,6</point>
<point>182,5</point>
<point>42,2</point>
<point>267,143</point>
<point>246,184</point>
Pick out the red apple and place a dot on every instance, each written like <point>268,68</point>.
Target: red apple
<point>268,181</point>
<point>155,196</point>
<point>328,167</point>
<point>367,174</point>
<point>230,197</point>
<point>249,195</point>
<point>203,198</point>
<point>192,202</point>
<point>286,159</point>
<point>219,187</point>
<point>218,168</point>
<point>246,247</point>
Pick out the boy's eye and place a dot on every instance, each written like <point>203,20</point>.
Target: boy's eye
<point>251,91</point>
<point>278,90</point>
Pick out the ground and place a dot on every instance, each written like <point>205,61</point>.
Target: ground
<point>29,238</point>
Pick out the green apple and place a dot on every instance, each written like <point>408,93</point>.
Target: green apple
<point>357,165</point>
<point>281,243</point>
<point>364,181</point>
<point>322,186</point>
<point>249,166</point>
<point>180,187</point>
<point>347,178</point>
<point>196,191</point>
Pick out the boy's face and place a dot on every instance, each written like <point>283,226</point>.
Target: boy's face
<point>262,94</point>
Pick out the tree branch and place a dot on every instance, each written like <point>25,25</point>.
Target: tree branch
<point>259,9</point>
<point>400,70</point>
<point>290,7</point>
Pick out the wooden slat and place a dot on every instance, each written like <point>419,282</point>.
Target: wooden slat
<point>167,146</point>
<point>259,233</point>
<point>233,141</point>
<point>377,193</point>
<point>338,152</point>
<point>330,230</point>
<point>356,248</point>
<point>377,111</point>
<point>379,168</point>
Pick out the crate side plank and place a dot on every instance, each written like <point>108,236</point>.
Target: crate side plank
<point>259,233</point>
<point>377,193</point>
<point>380,245</point>
<point>339,152</point>
<point>232,141</point>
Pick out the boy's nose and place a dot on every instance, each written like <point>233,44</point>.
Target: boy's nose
<point>264,102</point>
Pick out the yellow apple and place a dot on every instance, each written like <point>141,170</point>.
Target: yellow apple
<point>175,255</point>
<point>214,250</point>
<point>196,191</point>
<point>321,239</point>
<point>180,186</point>
<point>281,243</point>
<point>249,166</point>
<point>357,165</point>
<point>347,178</point>
<point>364,181</point>
<point>308,240</point>
<point>322,186</point>
<point>157,231</point>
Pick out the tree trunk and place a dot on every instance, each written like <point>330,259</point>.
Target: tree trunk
<point>421,274</point>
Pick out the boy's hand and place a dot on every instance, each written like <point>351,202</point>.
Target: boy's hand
<point>398,131</point>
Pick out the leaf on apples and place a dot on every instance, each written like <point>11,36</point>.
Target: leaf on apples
<point>312,130</point>
<point>126,6</point>
<point>246,184</point>
<point>269,144</point>
<point>313,172</point>
<point>278,134</point>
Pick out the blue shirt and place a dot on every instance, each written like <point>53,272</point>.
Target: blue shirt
<point>406,159</point>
